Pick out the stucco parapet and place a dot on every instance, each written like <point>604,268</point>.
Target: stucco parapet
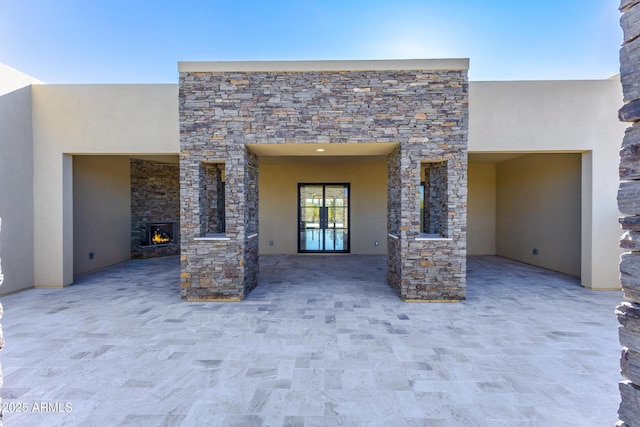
<point>301,66</point>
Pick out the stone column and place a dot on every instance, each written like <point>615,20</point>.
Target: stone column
<point>251,217</point>
<point>628,312</point>
<point>394,262</point>
<point>218,229</point>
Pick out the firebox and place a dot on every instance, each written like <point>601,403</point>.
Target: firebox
<point>161,233</point>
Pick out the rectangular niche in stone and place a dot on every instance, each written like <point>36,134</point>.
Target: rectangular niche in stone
<point>212,199</point>
<point>433,203</point>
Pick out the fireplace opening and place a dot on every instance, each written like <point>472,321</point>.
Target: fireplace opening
<point>161,233</point>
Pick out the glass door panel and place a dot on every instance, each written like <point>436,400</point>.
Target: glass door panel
<point>310,199</point>
<point>323,212</point>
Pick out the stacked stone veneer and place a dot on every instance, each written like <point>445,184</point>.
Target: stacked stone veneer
<point>424,111</point>
<point>629,204</point>
<point>427,268</point>
<point>436,209</point>
<point>155,197</point>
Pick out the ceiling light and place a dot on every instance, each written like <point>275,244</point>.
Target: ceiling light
<point>320,150</point>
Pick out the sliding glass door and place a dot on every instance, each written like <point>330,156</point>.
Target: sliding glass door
<point>323,217</point>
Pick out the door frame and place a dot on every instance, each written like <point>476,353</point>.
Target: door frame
<point>347,185</point>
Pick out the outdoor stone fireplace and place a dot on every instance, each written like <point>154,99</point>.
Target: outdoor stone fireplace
<point>161,233</point>
<point>421,105</point>
<point>155,209</point>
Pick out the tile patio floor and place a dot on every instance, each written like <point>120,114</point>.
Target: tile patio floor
<point>322,341</point>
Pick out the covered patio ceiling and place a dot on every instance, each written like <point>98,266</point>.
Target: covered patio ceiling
<point>323,149</point>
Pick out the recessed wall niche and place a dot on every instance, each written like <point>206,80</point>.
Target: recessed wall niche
<point>212,199</point>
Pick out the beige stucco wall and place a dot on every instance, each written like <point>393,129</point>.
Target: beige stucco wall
<point>101,211</point>
<point>562,116</point>
<point>481,209</point>
<point>278,186</point>
<point>539,207</point>
<point>88,119</point>
<point>16,190</point>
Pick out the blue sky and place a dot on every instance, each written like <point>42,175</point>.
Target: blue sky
<point>141,41</point>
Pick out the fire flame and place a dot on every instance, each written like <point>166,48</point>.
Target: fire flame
<point>159,237</point>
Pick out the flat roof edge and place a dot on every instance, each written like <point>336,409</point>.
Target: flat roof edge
<point>350,65</point>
